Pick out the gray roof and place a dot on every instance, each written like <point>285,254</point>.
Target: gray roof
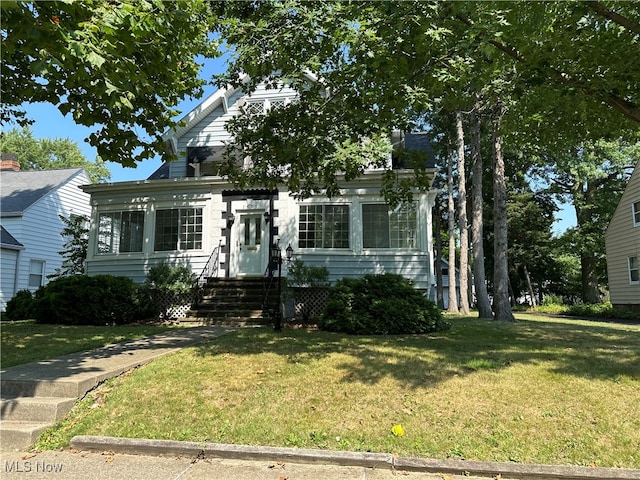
<point>20,190</point>
<point>8,240</point>
<point>161,172</point>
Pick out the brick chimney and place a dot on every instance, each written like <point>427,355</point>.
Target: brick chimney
<point>9,163</point>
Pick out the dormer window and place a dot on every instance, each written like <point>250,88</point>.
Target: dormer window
<point>260,107</point>
<point>254,108</point>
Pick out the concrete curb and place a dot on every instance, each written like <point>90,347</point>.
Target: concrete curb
<point>328,457</point>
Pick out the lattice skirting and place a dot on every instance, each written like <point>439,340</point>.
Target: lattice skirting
<point>309,303</point>
<point>174,306</point>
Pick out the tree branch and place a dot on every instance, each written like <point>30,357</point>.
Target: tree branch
<point>603,11</point>
<point>628,109</point>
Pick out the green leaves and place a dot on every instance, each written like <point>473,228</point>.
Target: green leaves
<point>114,64</point>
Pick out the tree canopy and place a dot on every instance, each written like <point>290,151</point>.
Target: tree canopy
<point>119,66</point>
<point>50,153</point>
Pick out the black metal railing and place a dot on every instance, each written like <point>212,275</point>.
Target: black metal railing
<point>211,267</point>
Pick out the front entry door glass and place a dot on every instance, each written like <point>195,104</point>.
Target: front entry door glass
<point>250,238</point>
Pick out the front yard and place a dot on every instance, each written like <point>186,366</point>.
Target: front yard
<point>27,341</point>
<point>544,390</point>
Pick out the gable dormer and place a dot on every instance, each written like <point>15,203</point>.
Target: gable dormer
<point>200,142</point>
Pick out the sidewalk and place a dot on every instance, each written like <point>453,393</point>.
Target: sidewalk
<point>114,458</point>
<point>36,395</point>
<point>80,465</point>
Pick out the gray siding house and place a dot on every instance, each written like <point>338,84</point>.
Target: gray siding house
<point>622,241</point>
<point>30,205</point>
<point>186,214</point>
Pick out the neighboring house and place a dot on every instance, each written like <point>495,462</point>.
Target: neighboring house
<point>433,291</point>
<point>185,213</point>
<point>622,242</point>
<point>30,205</point>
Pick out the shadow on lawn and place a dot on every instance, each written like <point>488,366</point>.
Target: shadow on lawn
<point>590,351</point>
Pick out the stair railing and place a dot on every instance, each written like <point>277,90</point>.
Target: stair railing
<point>210,270</point>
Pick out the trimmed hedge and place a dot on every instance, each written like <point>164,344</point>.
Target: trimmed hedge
<point>20,307</point>
<point>380,305</point>
<point>82,300</point>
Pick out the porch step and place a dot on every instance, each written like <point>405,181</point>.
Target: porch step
<point>35,409</point>
<point>236,301</point>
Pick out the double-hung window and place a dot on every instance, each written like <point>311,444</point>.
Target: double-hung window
<point>634,270</point>
<point>323,226</point>
<point>389,228</point>
<point>36,273</point>
<point>635,210</point>
<point>178,229</point>
<point>120,232</point>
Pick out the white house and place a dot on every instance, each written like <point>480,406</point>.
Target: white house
<point>187,214</point>
<point>622,241</point>
<point>30,205</point>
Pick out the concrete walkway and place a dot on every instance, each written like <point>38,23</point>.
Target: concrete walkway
<point>36,395</point>
<point>52,386</point>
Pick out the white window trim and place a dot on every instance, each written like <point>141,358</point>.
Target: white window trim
<point>633,282</point>
<point>413,249</point>
<point>326,250</point>
<point>635,213</point>
<point>42,273</point>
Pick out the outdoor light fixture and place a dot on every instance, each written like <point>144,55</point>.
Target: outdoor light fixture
<point>230,219</point>
<point>267,217</point>
<point>289,251</point>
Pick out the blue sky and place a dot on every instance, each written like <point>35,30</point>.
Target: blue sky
<point>50,123</point>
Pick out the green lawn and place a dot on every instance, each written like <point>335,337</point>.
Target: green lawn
<point>27,341</point>
<point>544,390</point>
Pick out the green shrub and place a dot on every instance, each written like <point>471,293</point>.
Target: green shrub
<point>20,307</point>
<point>586,310</point>
<point>82,300</point>
<point>379,305</point>
<point>167,286</point>
<point>553,300</point>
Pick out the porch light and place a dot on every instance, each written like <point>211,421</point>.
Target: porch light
<point>267,217</point>
<point>230,219</point>
<point>289,252</point>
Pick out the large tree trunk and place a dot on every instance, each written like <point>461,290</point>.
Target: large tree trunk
<point>462,219</point>
<point>438,260</point>
<point>501,305</point>
<point>590,290</point>
<point>477,225</point>
<point>583,195</point>
<point>453,297</point>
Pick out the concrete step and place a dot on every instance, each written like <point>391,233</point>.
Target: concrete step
<point>35,409</point>
<point>18,436</point>
<point>195,318</point>
<point>45,388</point>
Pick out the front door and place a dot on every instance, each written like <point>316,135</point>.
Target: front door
<point>250,239</point>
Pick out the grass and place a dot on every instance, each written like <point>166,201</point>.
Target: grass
<point>27,341</point>
<point>551,391</point>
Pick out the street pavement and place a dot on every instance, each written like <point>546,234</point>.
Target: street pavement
<point>106,465</point>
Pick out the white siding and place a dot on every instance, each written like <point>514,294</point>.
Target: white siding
<point>40,227</point>
<point>415,264</point>
<point>8,258</point>
<point>150,196</point>
<point>623,241</point>
<point>211,131</point>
